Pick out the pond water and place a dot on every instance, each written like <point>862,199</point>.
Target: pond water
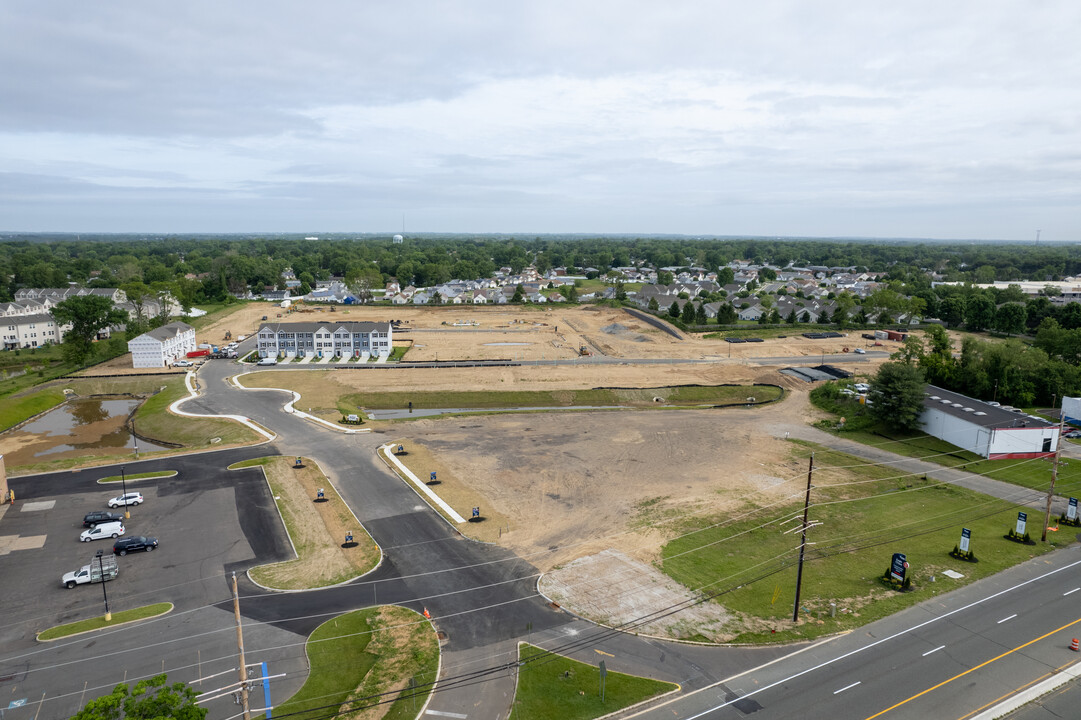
<point>86,426</point>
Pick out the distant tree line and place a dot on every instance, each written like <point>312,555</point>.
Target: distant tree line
<point>231,264</point>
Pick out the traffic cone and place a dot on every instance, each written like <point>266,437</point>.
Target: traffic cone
<point>1075,645</point>
<point>429,616</point>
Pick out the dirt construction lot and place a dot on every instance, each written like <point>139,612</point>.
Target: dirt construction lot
<point>572,484</point>
<point>526,333</point>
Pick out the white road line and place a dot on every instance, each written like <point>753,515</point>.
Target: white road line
<point>847,687</point>
<point>933,651</point>
<point>1070,592</point>
<point>886,639</point>
<point>1011,617</point>
<point>440,713</point>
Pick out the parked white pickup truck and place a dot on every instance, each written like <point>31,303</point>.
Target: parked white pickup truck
<point>95,572</point>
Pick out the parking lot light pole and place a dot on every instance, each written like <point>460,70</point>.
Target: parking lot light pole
<point>124,486</point>
<point>104,594</point>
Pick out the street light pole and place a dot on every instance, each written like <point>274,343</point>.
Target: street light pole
<point>124,486</point>
<point>104,594</point>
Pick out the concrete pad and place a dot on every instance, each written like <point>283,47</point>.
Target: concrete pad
<point>382,359</point>
<point>10,543</point>
<point>38,505</point>
<point>306,359</point>
<point>612,588</point>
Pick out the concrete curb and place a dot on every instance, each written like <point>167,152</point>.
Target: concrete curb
<point>1026,696</point>
<point>165,476</point>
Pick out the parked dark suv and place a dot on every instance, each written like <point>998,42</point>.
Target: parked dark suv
<point>100,516</point>
<point>131,544</point>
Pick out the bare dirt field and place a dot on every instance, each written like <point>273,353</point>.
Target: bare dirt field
<point>526,333</point>
<point>571,484</point>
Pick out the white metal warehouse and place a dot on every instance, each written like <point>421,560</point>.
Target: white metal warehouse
<point>985,429</point>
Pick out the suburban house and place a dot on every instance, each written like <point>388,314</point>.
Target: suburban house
<point>991,431</point>
<point>162,346</point>
<point>325,338</point>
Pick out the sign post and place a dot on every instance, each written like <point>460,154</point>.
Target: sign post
<point>604,674</point>
<point>965,535</point>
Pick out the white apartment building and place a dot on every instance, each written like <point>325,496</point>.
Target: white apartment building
<point>325,338</point>
<point>162,346</point>
<point>29,331</point>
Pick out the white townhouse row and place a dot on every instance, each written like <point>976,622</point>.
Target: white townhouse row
<point>29,331</point>
<point>325,338</point>
<point>162,346</point>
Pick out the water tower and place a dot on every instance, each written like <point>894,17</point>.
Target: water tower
<point>398,239</point>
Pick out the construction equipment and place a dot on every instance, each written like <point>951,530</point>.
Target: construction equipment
<point>584,351</point>
<point>228,334</point>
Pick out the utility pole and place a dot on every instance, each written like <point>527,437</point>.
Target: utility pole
<point>1054,475</point>
<point>803,538</point>
<point>243,669</point>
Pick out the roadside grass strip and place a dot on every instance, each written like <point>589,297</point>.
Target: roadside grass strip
<point>316,529</point>
<point>98,623</point>
<point>422,487</point>
<point>132,477</point>
<point>751,554</point>
<point>364,661</point>
<point>554,686</point>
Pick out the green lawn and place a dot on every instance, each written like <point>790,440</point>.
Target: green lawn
<point>553,687</point>
<point>98,623</point>
<point>755,566</point>
<point>686,395</point>
<point>370,652</point>
<point>14,410</point>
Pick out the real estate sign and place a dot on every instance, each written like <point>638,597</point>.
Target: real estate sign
<point>1022,518</point>
<point>1071,512</point>
<point>965,535</point>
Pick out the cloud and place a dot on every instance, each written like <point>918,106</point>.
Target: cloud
<point>553,116</point>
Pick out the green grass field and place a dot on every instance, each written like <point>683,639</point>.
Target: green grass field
<point>749,557</point>
<point>695,395</point>
<point>553,687</point>
<point>99,623</point>
<point>14,410</point>
<point>367,653</point>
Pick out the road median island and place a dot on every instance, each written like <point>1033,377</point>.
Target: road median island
<point>132,477</point>
<point>368,664</point>
<point>317,528</point>
<point>554,686</point>
<point>124,617</point>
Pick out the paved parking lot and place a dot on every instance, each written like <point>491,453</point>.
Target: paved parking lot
<point>208,521</point>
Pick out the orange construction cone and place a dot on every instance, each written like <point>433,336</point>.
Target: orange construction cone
<point>1075,646</point>
<point>429,616</point>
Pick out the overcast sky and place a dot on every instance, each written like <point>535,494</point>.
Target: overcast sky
<point>916,119</point>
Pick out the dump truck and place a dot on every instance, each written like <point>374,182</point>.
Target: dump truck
<point>97,571</point>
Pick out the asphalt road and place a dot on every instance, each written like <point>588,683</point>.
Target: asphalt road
<point>943,659</point>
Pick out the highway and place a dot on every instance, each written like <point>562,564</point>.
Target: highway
<point>947,658</point>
